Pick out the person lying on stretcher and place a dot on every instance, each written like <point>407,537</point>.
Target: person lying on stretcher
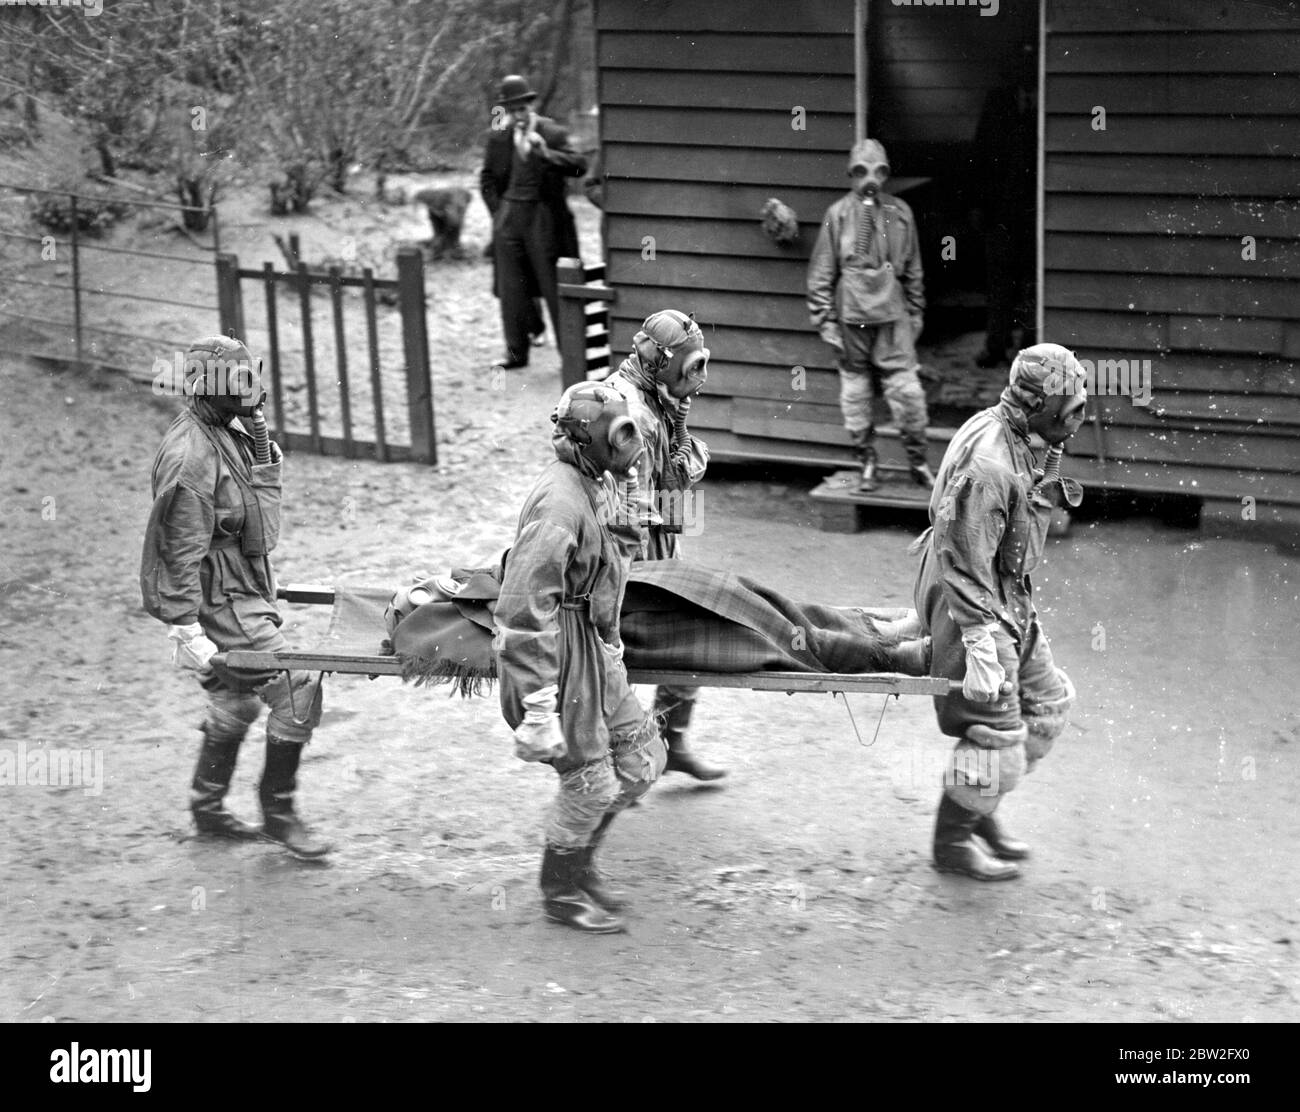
<point>674,616</point>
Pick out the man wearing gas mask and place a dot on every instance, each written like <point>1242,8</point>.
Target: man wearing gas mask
<point>989,514</point>
<point>866,297</point>
<point>667,367</point>
<point>206,572</point>
<point>525,163</point>
<point>563,687</point>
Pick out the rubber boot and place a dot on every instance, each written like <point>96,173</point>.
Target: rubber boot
<point>1000,842</point>
<point>676,716</point>
<point>588,877</point>
<point>565,902</point>
<point>281,823</point>
<point>212,775</point>
<point>955,851</point>
<point>865,454</point>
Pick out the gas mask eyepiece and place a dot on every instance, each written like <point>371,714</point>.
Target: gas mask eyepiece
<point>695,367</point>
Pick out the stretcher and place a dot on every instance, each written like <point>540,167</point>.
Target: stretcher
<point>354,648</point>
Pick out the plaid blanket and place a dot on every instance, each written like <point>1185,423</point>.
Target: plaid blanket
<point>683,616</point>
<point>674,616</point>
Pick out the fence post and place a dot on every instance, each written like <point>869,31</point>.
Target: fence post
<point>572,328</point>
<point>76,279</point>
<point>273,328</point>
<point>230,303</point>
<point>415,341</point>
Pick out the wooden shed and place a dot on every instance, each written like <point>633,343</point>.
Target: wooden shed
<point>1167,215</point>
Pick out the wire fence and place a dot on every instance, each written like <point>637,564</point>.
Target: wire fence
<point>348,379</point>
<point>68,313</point>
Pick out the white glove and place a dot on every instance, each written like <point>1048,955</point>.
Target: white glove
<point>831,333</point>
<point>190,647</point>
<point>539,737</point>
<point>985,677</point>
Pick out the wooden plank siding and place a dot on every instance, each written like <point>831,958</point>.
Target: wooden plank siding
<point>1142,223</point>
<point>1143,236</point>
<point>696,110</point>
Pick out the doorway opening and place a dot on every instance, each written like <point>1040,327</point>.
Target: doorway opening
<point>953,97</point>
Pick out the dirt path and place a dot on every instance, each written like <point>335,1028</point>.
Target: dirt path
<point>799,890</point>
<point>1162,886</point>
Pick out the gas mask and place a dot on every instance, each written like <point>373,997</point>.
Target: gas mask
<point>223,371</point>
<point>595,419</point>
<point>868,168</point>
<point>686,371</point>
<point>677,352</point>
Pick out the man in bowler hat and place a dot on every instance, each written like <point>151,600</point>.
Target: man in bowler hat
<point>522,182</point>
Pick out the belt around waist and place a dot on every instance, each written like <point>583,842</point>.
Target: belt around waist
<point>225,542</point>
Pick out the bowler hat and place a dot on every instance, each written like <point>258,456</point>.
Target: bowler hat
<point>515,91</point>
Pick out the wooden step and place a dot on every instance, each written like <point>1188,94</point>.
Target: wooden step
<point>843,508</point>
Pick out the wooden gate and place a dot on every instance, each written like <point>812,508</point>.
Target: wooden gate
<point>303,428</point>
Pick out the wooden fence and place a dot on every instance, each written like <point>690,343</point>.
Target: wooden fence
<point>408,291</point>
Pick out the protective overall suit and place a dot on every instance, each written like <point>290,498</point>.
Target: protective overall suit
<point>866,298</point>
<point>668,365</point>
<point>563,686</point>
<point>205,571</point>
<point>989,515</point>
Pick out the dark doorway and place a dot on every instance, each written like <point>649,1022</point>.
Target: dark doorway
<point>952,94</point>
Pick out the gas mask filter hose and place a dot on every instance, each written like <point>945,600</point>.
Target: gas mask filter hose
<point>261,437</point>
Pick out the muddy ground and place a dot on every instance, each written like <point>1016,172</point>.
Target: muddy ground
<point>1162,885</point>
